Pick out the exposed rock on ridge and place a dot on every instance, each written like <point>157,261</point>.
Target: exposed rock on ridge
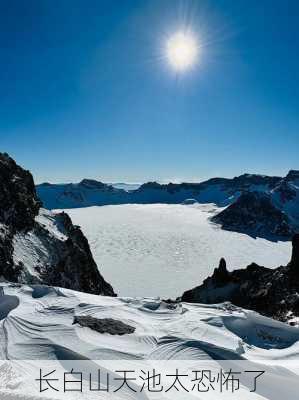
<point>254,213</point>
<point>18,200</point>
<point>271,292</point>
<point>38,246</point>
<point>75,267</point>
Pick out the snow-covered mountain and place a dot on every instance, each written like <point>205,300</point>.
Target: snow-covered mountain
<point>258,205</point>
<point>68,328</point>
<point>125,186</point>
<point>220,191</point>
<point>256,214</point>
<point>38,246</point>
<point>270,213</point>
<point>86,193</point>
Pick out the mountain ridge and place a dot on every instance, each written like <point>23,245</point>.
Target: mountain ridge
<point>240,182</point>
<point>38,246</point>
<point>282,194</point>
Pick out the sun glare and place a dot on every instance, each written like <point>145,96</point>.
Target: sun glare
<point>182,51</point>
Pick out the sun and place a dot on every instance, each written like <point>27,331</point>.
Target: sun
<point>182,50</point>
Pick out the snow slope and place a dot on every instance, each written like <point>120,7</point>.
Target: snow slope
<point>39,318</point>
<point>37,324</point>
<point>161,250</point>
<point>125,186</point>
<point>34,248</point>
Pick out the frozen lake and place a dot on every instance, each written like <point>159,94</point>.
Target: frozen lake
<point>163,250</point>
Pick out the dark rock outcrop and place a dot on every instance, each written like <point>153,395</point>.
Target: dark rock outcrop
<point>295,254</point>
<point>39,247</point>
<point>18,200</point>
<point>255,214</point>
<point>221,274</point>
<point>285,191</point>
<point>76,268</point>
<point>18,207</point>
<point>271,292</point>
<point>104,325</point>
<point>292,176</point>
<point>93,184</point>
<point>8,270</point>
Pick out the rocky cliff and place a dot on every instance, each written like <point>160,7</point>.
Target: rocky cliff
<point>271,292</point>
<point>255,214</point>
<point>38,246</point>
<point>272,213</point>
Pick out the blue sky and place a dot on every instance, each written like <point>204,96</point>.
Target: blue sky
<point>86,91</point>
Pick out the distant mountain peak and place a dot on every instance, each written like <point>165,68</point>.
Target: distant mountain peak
<point>93,184</point>
<point>293,175</point>
<point>254,213</point>
<point>282,193</point>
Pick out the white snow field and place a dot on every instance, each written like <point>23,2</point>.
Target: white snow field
<point>37,324</point>
<point>163,250</point>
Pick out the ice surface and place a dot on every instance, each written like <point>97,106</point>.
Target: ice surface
<point>163,250</point>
